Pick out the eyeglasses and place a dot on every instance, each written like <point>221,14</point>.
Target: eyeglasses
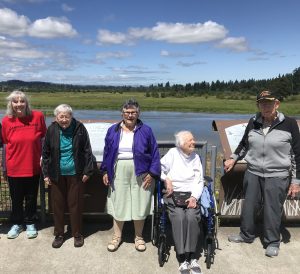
<point>127,113</point>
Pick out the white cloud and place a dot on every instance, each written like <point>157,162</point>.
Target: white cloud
<point>238,44</point>
<point>109,18</point>
<point>25,61</point>
<point>178,33</point>
<point>181,33</point>
<point>257,58</point>
<point>21,54</point>
<point>8,74</point>
<point>107,37</point>
<point>13,24</point>
<point>190,64</point>
<point>66,7</point>
<point>52,27</point>
<point>163,66</point>
<point>8,44</point>
<point>135,70</point>
<point>112,55</point>
<point>166,53</point>
<point>109,79</point>
<point>119,79</point>
<point>24,1</point>
<point>19,50</point>
<point>16,25</point>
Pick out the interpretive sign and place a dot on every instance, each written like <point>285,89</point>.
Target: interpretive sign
<point>235,134</point>
<point>97,132</point>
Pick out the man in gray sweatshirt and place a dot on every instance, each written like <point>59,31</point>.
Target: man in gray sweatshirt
<point>271,148</point>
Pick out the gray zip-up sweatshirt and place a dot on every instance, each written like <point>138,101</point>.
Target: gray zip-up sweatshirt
<point>276,154</point>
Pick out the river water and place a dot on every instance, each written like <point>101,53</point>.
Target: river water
<point>165,124</point>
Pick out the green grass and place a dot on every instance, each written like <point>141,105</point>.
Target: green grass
<point>113,101</point>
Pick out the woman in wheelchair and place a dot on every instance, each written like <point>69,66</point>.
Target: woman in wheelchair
<point>183,177</point>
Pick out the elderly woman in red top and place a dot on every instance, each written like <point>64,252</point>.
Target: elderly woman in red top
<point>22,132</point>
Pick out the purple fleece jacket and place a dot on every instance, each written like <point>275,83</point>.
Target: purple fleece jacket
<point>145,151</point>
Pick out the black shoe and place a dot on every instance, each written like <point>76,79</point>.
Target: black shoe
<point>58,241</point>
<point>78,241</point>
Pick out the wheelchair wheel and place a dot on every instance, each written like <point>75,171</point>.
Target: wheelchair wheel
<point>209,255</point>
<point>155,235</point>
<point>162,250</point>
<point>216,217</point>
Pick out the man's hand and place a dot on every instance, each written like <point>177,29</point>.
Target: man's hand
<point>293,190</point>
<point>228,164</point>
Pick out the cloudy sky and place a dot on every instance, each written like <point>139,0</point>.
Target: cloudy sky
<point>136,42</point>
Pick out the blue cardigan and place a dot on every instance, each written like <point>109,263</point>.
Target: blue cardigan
<point>145,151</point>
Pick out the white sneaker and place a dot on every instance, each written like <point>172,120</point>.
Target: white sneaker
<point>31,231</point>
<point>195,267</point>
<point>184,268</point>
<point>14,231</point>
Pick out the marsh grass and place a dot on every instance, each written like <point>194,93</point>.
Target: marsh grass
<point>113,101</point>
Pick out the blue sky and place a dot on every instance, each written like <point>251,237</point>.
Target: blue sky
<point>136,42</point>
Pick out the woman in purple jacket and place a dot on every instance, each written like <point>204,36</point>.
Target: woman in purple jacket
<point>131,161</point>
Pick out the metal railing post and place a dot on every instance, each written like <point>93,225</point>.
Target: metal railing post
<point>42,200</point>
<point>213,165</point>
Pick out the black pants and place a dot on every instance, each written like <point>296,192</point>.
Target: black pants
<point>21,188</point>
<point>269,193</point>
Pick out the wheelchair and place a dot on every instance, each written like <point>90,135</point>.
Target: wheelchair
<point>159,225</point>
<point>209,220</point>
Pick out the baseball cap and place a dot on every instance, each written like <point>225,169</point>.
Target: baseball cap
<point>266,95</point>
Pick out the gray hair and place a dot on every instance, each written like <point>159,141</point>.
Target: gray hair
<point>180,137</point>
<point>131,103</point>
<point>63,108</point>
<point>15,94</point>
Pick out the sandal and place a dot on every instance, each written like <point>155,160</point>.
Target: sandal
<point>140,244</point>
<point>114,244</point>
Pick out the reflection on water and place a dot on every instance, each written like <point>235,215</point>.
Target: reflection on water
<point>165,124</point>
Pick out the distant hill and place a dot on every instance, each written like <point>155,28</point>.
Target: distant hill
<point>284,85</point>
<point>36,86</point>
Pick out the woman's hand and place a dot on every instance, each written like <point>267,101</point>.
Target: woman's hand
<point>169,187</point>
<point>191,202</point>
<point>105,180</point>
<point>293,190</point>
<point>85,178</point>
<point>47,181</point>
<point>228,164</point>
<point>147,182</point>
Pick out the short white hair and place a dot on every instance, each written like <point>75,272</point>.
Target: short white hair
<point>63,108</point>
<point>180,137</point>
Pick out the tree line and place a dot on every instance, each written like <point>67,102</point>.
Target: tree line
<point>284,85</point>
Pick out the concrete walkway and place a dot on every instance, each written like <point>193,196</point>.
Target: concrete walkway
<point>22,255</point>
